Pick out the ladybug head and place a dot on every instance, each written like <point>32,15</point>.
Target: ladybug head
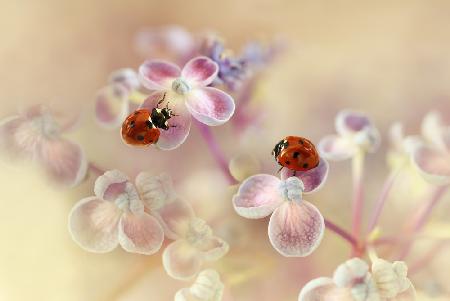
<point>279,147</point>
<point>160,117</point>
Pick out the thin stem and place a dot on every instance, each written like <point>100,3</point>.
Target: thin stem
<point>421,262</point>
<point>216,151</point>
<point>421,217</point>
<point>341,233</point>
<point>379,204</point>
<point>358,193</point>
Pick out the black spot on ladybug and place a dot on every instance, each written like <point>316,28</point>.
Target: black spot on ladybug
<point>301,141</point>
<point>296,154</point>
<point>305,165</point>
<point>288,162</point>
<point>132,123</point>
<point>140,137</point>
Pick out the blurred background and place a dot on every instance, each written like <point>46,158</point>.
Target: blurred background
<point>390,59</point>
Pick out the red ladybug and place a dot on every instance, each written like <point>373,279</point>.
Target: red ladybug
<point>296,153</point>
<point>142,127</point>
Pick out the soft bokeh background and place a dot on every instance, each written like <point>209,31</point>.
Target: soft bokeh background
<point>388,58</point>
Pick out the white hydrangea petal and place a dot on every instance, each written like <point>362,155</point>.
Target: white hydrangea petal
<point>155,191</point>
<point>8,128</point>
<point>181,260</point>
<point>213,248</point>
<point>258,196</point>
<point>390,278</point>
<point>126,77</point>
<point>140,233</point>
<point>407,295</point>
<point>433,165</point>
<point>336,148</point>
<point>93,224</point>
<point>110,185</point>
<point>350,122</point>
<point>175,218</point>
<point>324,289</point>
<point>346,273</point>
<point>312,179</point>
<point>207,287</point>
<point>434,130</point>
<point>296,229</point>
<point>112,105</point>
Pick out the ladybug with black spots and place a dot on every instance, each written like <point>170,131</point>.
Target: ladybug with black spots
<point>296,153</point>
<point>143,128</point>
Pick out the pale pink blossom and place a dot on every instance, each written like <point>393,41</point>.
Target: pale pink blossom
<point>186,93</point>
<point>296,227</point>
<point>207,287</point>
<point>35,134</point>
<point>355,132</point>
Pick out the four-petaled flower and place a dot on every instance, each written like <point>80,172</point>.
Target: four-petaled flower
<point>352,281</point>
<point>186,93</point>
<point>296,227</point>
<point>35,134</point>
<point>207,287</point>
<point>355,133</point>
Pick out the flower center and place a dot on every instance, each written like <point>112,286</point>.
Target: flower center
<point>292,189</point>
<point>123,202</point>
<point>44,125</point>
<point>180,86</point>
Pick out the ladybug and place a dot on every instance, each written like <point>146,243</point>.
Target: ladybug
<point>143,127</point>
<point>296,153</point>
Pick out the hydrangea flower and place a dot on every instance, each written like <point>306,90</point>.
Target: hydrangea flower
<point>115,101</point>
<point>207,287</point>
<point>355,132</point>
<point>194,244</point>
<point>186,93</point>
<point>36,135</point>
<point>352,281</point>
<point>296,227</point>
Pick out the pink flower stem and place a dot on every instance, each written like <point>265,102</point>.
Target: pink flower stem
<point>216,151</point>
<point>425,259</point>
<point>358,193</point>
<point>421,217</point>
<point>95,169</point>
<point>341,233</point>
<point>379,205</point>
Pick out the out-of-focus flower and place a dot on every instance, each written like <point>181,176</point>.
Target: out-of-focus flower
<point>355,133</point>
<point>115,215</point>
<point>115,101</point>
<point>173,42</point>
<point>195,244</point>
<point>352,281</point>
<point>207,287</point>
<point>36,135</point>
<point>243,166</point>
<point>186,94</point>
<point>296,227</point>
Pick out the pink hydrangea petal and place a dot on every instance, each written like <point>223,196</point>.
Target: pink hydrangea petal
<point>435,131</point>
<point>8,127</point>
<point>258,196</point>
<point>140,233</point>
<point>312,179</point>
<point>324,289</point>
<point>210,106</point>
<point>127,77</point>
<point>110,185</point>
<point>336,148</point>
<point>348,121</point>
<point>213,248</point>
<point>93,224</point>
<point>112,105</point>
<point>65,161</point>
<point>432,164</point>
<point>158,75</point>
<point>181,261</point>
<point>179,125</point>
<point>155,190</point>
<point>200,71</point>
<point>296,229</point>
<point>174,217</point>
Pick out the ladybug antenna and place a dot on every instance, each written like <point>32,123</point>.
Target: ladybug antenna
<point>161,100</point>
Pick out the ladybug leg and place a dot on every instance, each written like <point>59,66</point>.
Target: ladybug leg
<point>161,100</point>
<point>167,107</point>
<point>280,169</point>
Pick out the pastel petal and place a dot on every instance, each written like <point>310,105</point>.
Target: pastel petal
<point>350,122</point>
<point>434,129</point>
<point>296,229</point>
<point>112,105</point>
<point>200,71</point>
<point>180,125</point>
<point>210,106</point>
<point>155,191</point>
<point>126,77</point>
<point>258,196</point>
<point>312,179</point>
<point>336,148</point>
<point>8,128</point>
<point>213,248</point>
<point>65,161</point>
<point>110,185</point>
<point>181,261</point>
<point>408,295</point>
<point>323,289</point>
<point>140,233</point>
<point>93,224</point>
<point>158,74</point>
<point>207,287</point>
<point>175,217</point>
<point>432,164</point>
